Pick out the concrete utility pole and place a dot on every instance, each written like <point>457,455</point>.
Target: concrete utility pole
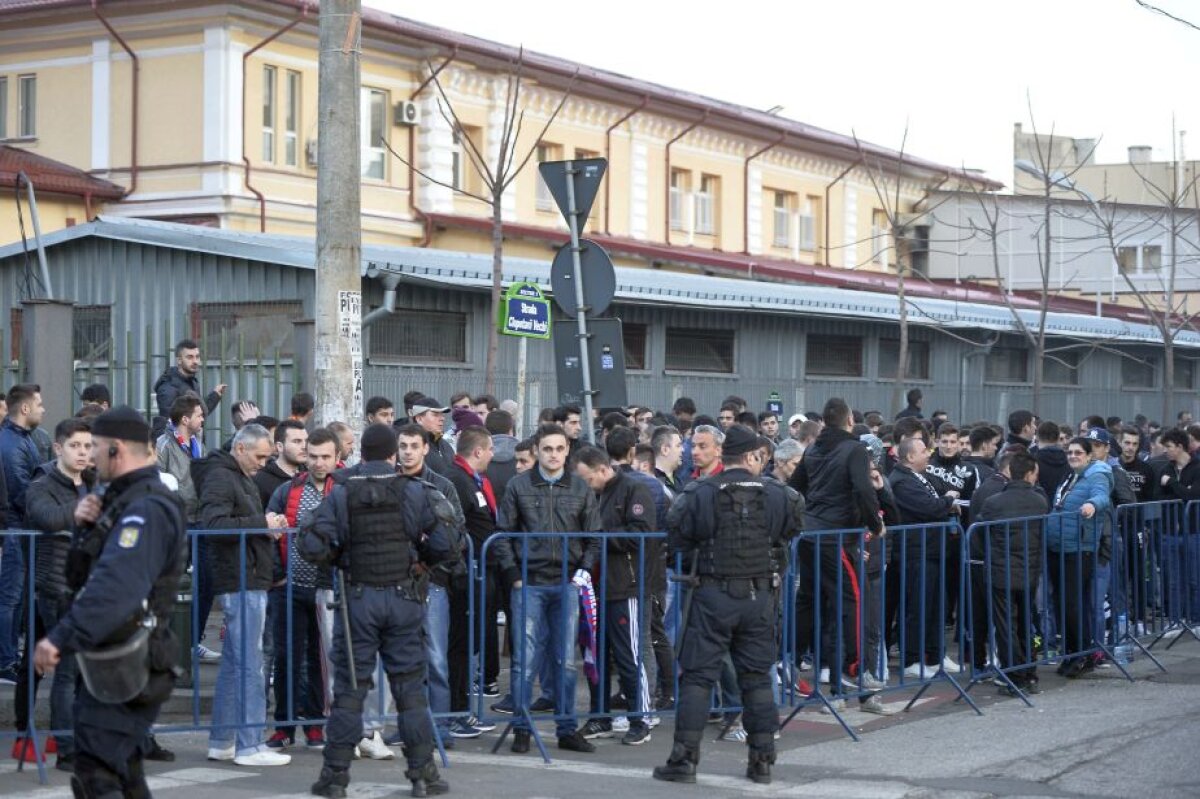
<point>338,358</point>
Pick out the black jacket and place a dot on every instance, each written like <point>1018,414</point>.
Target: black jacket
<point>269,478</point>
<point>1052,468</point>
<point>1182,483</point>
<point>1016,549</point>
<point>919,503</point>
<point>911,410</point>
<point>1141,479</point>
<point>50,509</point>
<point>533,505</point>
<point>834,479</point>
<point>441,454</point>
<point>229,500</point>
<point>477,516</point>
<point>952,474</point>
<point>626,506</point>
<point>172,384</point>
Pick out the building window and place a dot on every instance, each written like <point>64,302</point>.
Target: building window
<point>889,357</point>
<point>1127,259</point>
<point>807,227</point>
<point>246,330</point>
<point>834,356</point>
<point>699,350</point>
<point>783,219</point>
<point>546,152</point>
<point>1061,369</point>
<point>268,115</point>
<point>1184,373</point>
<point>374,107</point>
<point>1151,257</point>
<point>419,336</point>
<point>464,176</point>
<point>1139,372</point>
<point>27,106</point>
<point>706,204</point>
<point>291,119</point>
<point>635,337</point>
<point>582,155</point>
<point>91,332</point>
<point>880,238</point>
<point>3,108</point>
<point>681,181</point>
<point>1007,365</point>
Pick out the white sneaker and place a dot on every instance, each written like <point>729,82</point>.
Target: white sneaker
<point>653,720</point>
<point>950,667</point>
<point>205,655</point>
<point>374,748</point>
<point>227,753</point>
<point>916,670</point>
<point>824,676</point>
<point>620,724</point>
<point>263,758</point>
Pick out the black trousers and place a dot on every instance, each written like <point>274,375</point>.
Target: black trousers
<point>623,654</point>
<point>664,653</point>
<point>458,654</point>
<point>924,637</point>
<point>389,624</point>
<point>837,603</point>
<point>303,696</point>
<point>1071,574</point>
<point>1013,615</point>
<point>110,744</point>
<point>743,627</point>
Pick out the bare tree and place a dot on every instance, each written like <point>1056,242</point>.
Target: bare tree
<point>496,177</point>
<point>1177,220</point>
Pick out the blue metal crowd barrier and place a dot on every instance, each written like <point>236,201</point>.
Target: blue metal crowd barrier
<point>1155,589</point>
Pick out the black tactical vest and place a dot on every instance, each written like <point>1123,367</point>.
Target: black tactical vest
<point>380,549</point>
<point>89,543</point>
<point>741,545</point>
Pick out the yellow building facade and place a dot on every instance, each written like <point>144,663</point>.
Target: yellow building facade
<point>207,113</point>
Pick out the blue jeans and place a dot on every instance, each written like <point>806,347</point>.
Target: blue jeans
<point>1099,591</point>
<point>437,631</point>
<point>239,696</point>
<point>12,596</point>
<point>546,624</point>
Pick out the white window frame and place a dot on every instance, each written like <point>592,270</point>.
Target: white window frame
<point>782,216</point>
<point>806,226</point>
<point>705,202</point>
<point>544,200</point>
<point>270,107</point>
<point>680,178</point>
<point>292,95</point>
<point>26,111</point>
<point>374,157</point>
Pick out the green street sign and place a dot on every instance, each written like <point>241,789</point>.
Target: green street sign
<point>524,311</point>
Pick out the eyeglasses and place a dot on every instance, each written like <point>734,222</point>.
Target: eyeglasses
<point>1078,453</point>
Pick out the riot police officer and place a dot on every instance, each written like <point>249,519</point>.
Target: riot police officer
<point>733,528</point>
<point>129,551</point>
<point>381,529</point>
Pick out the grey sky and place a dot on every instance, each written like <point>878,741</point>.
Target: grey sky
<point>956,71</point>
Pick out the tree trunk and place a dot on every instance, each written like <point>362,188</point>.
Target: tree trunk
<point>1168,374</point>
<point>1039,355</point>
<point>493,348</point>
<point>902,351</point>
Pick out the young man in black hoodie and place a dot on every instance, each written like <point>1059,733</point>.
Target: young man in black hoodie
<point>949,472</point>
<point>1052,460</point>
<point>1022,426</point>
<point>835,481</point>
<point>291,438</point>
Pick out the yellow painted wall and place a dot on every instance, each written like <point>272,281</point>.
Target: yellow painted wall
<point>54,213</point>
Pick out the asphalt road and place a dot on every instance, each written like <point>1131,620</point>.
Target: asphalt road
<point>1096,736</point>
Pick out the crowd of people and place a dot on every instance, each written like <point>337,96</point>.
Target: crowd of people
<point>854,471</point>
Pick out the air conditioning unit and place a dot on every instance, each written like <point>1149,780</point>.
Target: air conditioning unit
<point>310,152</point>
<point>405,113</point>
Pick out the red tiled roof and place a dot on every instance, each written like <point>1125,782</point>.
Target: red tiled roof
<point>48,175</point>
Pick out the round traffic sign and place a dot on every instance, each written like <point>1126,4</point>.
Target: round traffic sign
<point>599,278</point>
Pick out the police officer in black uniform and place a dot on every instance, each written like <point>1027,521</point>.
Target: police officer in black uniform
<point>733,527</point>
<point>382,530</point>
<point>129,551</point>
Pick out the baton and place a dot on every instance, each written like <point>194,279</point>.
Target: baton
<point>344,605</point>
<point>691,581</point>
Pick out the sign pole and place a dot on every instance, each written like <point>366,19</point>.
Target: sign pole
<point>581,317</point>
<point>522,360</point>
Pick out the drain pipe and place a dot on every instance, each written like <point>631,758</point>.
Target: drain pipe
<point>391,281</point>
<point>746,190</point>
<point>37,230</point>
<point>262,200</point>
<point>667,181</point>
<point>133,125</point>
<point>608,154</point>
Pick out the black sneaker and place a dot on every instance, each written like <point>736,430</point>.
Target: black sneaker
<point>8,675</point>
<point>665,703</point>
<point>759,770</point>
<point>65,763</point>
<point>491,689</point>
<point>332,783</point>
<point>159,752</point>
<point>637,735</point>
<point>596,728</point>
<point>542,705</point>
<point>575,743</point>
<point>520,744</point>
<point>505,706</point>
